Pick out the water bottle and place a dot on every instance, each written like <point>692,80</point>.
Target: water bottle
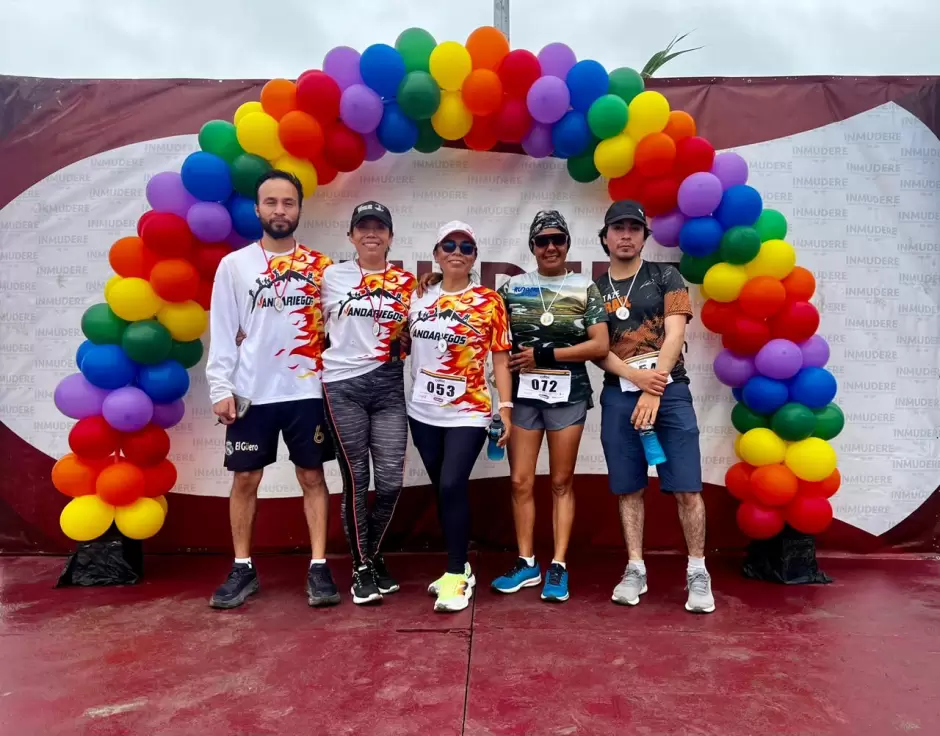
<point>651,447</point>
<point>493,451</point>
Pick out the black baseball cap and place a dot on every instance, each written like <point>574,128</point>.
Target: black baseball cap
<point>371,209</point>
<point>625,209</point>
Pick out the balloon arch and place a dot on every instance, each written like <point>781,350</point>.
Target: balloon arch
<point>417,95</point>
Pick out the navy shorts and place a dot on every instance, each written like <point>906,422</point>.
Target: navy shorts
<point>251,442</point>
<point>677,429</point>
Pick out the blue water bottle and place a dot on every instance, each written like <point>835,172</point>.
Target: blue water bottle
<point>651,447</point>
<point>493,451</point>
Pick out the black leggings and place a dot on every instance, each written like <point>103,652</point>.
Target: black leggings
<point>448,454</point>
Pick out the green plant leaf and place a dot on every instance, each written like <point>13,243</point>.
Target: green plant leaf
<point>660,58</point>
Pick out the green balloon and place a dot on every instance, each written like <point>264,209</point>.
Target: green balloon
<point>744,420</point>
<point>218,137</point>
<point>582,168</point>
<point>626,83</point>
<point>739,245</point>
<point>771,225</point>
<point>102,326</point>
<point>829,422</point>
<point>246,170</point>
<point>694,268</point>
<point>428,139</point>
<point>415,46</point>
<point>186,354</point>
<point>607,116</point>
<point>793,422</point>
<point>147,342</point>
<point>419,95</point>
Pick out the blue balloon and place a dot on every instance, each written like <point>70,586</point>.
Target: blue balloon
<point>82,352</point>
<point>765,395</point>
<point>587,80</point>
<point>738,394</point>
<point>107,366</point>
<point>571,135</point>
<point>740,205</point>
<point>813,387</point>
<point>164,382</point>
<point>206,177</point>
<point>700,236</point>
<point>244,218</point>
<point>397,132</point>
<point>382,68</point>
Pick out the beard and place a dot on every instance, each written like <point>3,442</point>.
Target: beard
<point>280,229</point>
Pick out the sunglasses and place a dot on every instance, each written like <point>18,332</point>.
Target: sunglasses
<point>450,246</point>
<point>543,241</point>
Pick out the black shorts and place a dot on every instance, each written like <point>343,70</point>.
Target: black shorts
<point>251,442</point>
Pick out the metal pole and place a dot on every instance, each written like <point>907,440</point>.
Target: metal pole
<point>501,16</point>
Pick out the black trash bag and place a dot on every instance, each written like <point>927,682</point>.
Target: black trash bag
<point>788,558</point>
<point>111,559</point>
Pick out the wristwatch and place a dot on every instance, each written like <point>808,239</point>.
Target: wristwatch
<point>505,405</point>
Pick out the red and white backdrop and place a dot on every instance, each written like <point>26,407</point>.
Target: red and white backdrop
<point>854,165</point>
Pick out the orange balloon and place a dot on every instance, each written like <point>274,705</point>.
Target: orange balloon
<point>175,280</point>
<point>774,485</point>
<point>681,125</point>
<point>487,46</point>
<point>482,92</point>
<point>654,155</point>
<point>800,284</point>
<point>159,478</point>
<point>129,257</point>
<point>738,481</point>
<point>120,483</point>
<point>827,487</point>
<point>75,476</point>
<point>482,136</point>
<point>762,296</point>
<point>301,134</point>
<point>279,97</point>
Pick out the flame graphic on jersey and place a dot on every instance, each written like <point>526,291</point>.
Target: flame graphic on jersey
<point>394,296</point>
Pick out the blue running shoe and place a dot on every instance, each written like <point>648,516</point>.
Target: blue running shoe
<point>521,576</point>
<point>556,584</point>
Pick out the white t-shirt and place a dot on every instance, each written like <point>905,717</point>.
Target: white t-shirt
<point>280,357</point>
<point>451,336</point>
<point>365,312</point>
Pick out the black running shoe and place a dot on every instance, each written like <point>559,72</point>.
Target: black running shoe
<point>387,584</point>
<point>364,588</point>
<point>241,582</point>
<point>321,590</point>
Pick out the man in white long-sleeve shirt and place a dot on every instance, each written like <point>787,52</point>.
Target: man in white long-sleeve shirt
<point>268,293</point>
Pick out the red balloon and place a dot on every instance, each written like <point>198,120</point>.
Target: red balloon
<point>159,478</point>
<point>94,438</point>
<point>655,154</point>
<point>206,258</point>
<point>762,297</point>
<point>774,485</point>
<point>719,316</point>
<point>630,186</point>
<point>120,483</point>
<point>204,295</point>
<point>175,280</point>
<point>825,488</point>
<point>345,149</point>
<point>143,219</point>
<point>147,446</point>
<point>482,136</point>
<point>660,195</point>
<point>759,522</point>
<point>797,322</point>
<point>325,172</point>
<point>746,336</point>
<point>693,154</point>
<point>809,514</point>
<point>318,94</point>
<point>167,235</point>
<point>513,121</point>
<point>738,481</point>
<point>518,71</point>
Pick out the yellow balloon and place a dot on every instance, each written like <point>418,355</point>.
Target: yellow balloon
<point>450,64</point>
<point>737,446</point>
<point>302,169</point>
<point>257,134</point>
<point>648,112</point>
<point>109,284</point>
<point>705,294</point>
<point>141,519</point>
<point>186,321</point>
<point>775,258</point>
<point>811,459</point>
<point>163,503</point>
<point>613,157</point>
<point>724,282</point>
<point>86,518</point>
<point>246,108</point>
<point>452,120</point>
<point>133,299</point>
<point>762,446</point>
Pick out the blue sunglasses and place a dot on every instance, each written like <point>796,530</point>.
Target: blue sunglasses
<point>450,246</point>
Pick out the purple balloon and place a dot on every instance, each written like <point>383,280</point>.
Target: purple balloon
<point>374,148</point>
<point>166,193</point>
<point>209,221</point>
<point>548,99</point>
<point>237,241</point>
<point>77,398</point>
<point>700,194</point>
<point>732,369</point>
<point>556,60</point>
<point>361,108</point>
<point>342,63</point>
<point>127,409</point>
<point>666,228</point>
<point>168,415</point>
<point>779,359</point>
<point>815,352</point>
<point>730,168</point>
<point>538,142</point>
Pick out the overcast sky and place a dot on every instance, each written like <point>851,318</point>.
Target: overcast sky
<point>270,38</point>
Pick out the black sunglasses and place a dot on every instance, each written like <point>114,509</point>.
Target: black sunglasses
<point>466,249</point>
<point>543,241</point>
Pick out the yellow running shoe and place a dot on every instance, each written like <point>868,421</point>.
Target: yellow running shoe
<point>454,594</point>
<point>434,587</point>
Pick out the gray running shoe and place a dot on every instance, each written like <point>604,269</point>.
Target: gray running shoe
<point>631,586</point>
<point>699,585</point>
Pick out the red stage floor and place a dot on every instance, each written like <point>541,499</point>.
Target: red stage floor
<point>860,657</point>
